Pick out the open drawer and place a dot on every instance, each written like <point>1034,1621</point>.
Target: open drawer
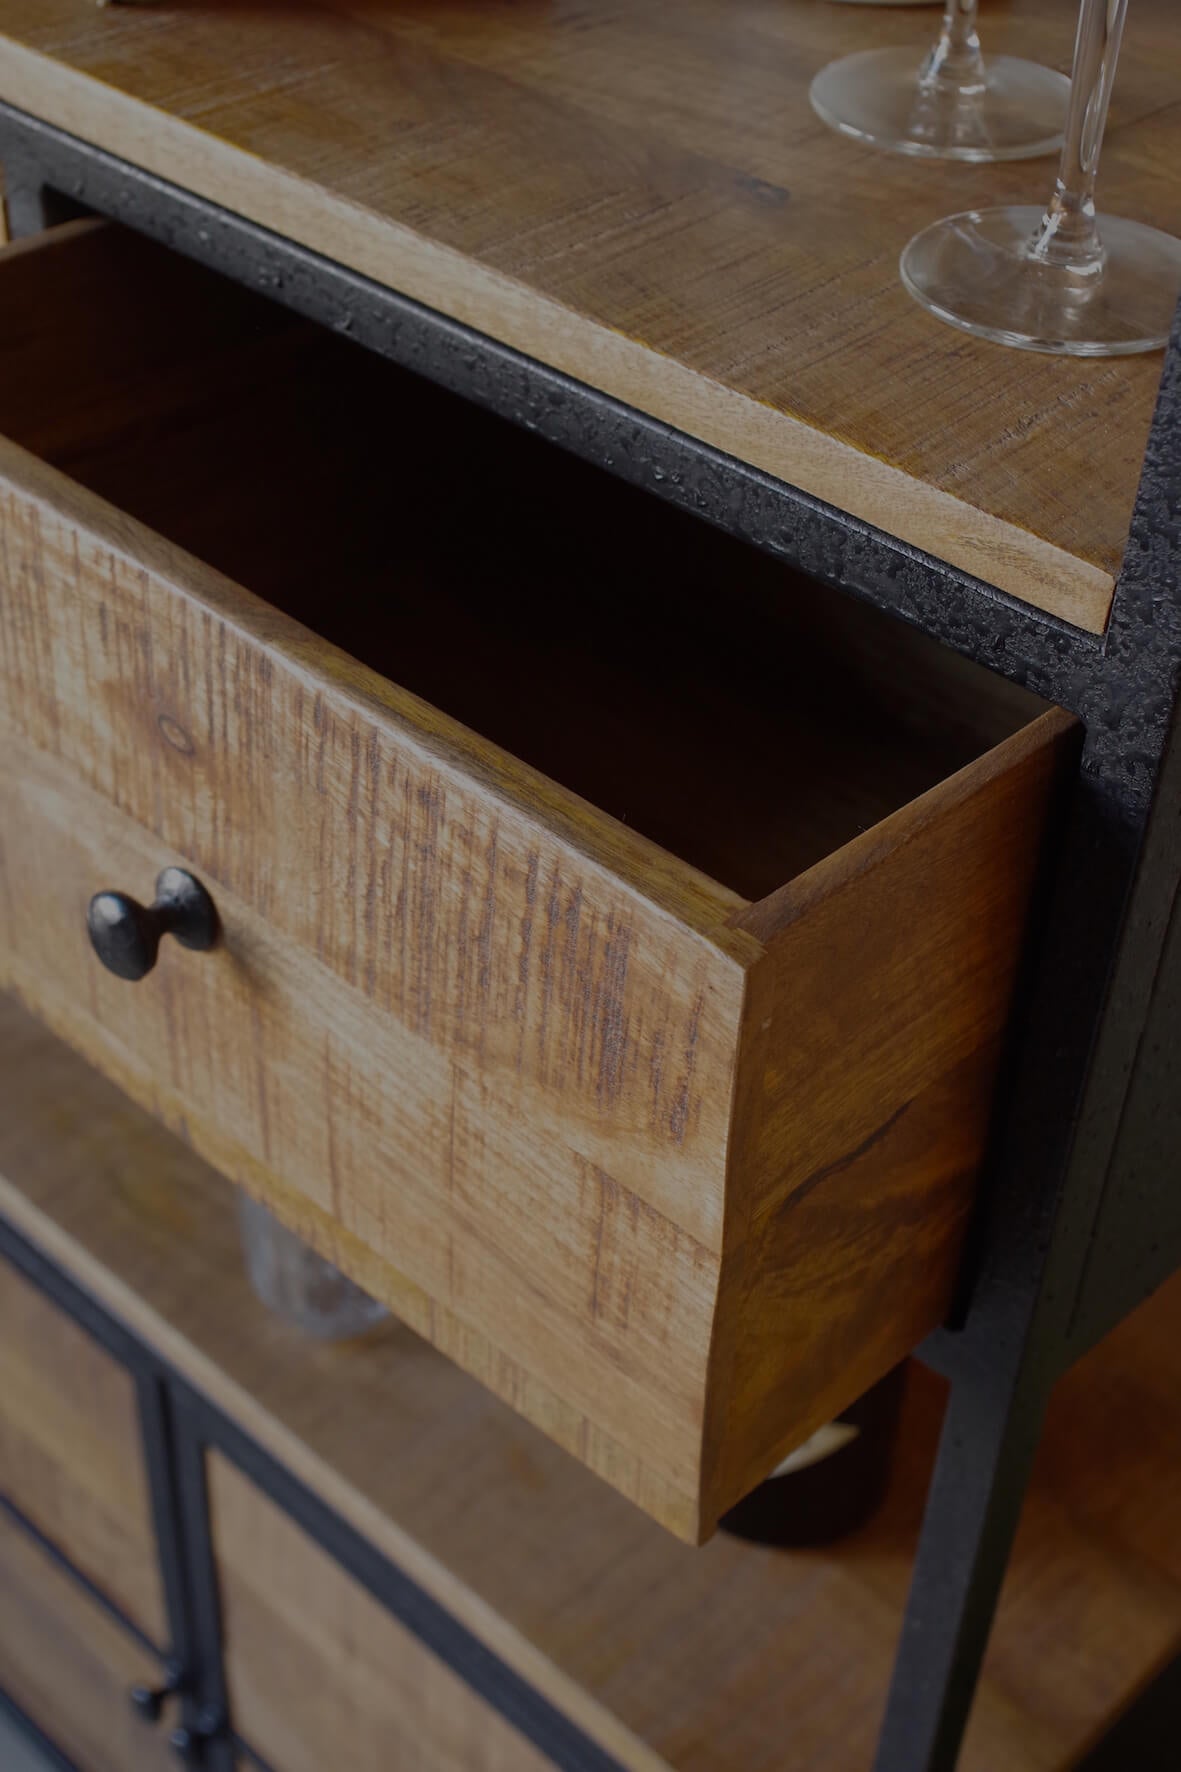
<point>626,1011</point>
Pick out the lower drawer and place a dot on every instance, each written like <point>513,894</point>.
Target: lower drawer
<point>69,1667</point>
<point>319,1675</point>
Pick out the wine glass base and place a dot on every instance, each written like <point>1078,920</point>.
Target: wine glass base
<point>875,97</point>
<point>976,272</point>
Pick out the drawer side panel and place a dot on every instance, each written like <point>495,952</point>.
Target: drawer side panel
<point>877,1032</point>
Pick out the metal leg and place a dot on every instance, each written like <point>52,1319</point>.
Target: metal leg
<point>986,1453</point>
<point>1081,1020</point>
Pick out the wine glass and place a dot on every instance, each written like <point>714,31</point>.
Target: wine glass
<point>1059,280</point>
<point>954,106</point>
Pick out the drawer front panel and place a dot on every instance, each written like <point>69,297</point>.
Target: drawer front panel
<point>320,1675</point>
<point>70,1451</point>
<point>476,1219</point>
<point>70,1668</point>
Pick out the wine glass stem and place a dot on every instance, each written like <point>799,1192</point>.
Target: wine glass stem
<point>1069,235</point>
<point>955,62</point>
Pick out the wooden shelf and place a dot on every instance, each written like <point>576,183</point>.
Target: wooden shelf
<point>700,1660</point>
<point>640,196</point>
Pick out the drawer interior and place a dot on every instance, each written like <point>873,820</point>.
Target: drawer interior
<point>747,720</point>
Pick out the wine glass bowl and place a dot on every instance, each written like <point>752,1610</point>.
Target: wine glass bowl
<point>1059,279</point>
<point>954,104</point>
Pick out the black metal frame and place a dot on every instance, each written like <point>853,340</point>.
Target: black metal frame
<point>1069,1242</point>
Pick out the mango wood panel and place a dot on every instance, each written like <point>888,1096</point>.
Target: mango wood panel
<point>69,1667</point>
<point>70,1451</point>
<point>699,1660</point>
<point>640,195</point>
<point>319,1674</point>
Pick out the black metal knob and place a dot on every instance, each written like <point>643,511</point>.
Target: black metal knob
<point>188,1743</point>
<point>149,1701</point>
<point>126,935</point>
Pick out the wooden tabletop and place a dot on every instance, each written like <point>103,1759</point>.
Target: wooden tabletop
<point>637,193</point>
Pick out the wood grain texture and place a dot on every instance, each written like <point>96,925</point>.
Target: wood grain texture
<point>319,1674</point>
<point>872,1050</point>
<point>640,195</point>
<point>280,1072</point>
<point>71,1457</point>
<point>699,1660</point>
<point>541,1076</point>
<point>69,1667</point>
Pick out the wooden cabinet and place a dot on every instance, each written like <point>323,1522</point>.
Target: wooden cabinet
<point>619,929</point>
<point>639,1051</point>
<point>71,1458</point>
<point>319,1674</point>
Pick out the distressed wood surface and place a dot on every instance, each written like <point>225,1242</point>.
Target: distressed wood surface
<point>531,1076</point>
<point>319,1674</point>
<point>71,1457</point>
<point>699,1660</point>
<point>69,1667</point>
<point>885,998</point>
<point>640,195</point>
<point>491,1196</point>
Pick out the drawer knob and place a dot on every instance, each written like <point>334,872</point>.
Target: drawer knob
<point>126,935</point>
<point>188,1743</point>
<point>148,1701</point>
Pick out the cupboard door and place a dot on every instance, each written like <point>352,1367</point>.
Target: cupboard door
<point>71,1457</point>
<point>320,1675</point>
<point>69,1666</point>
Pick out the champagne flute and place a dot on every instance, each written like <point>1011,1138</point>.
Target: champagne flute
<point>1061,280</point>
<point>954,106</point>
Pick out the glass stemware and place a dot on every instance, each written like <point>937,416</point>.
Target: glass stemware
<point>954,106</point>
<point>1061,279</point>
